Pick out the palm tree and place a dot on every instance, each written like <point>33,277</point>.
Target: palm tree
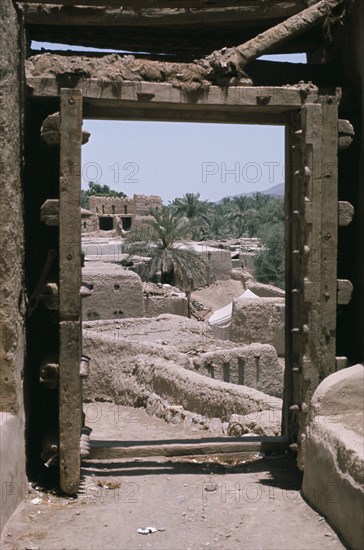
<point>162,242</point>
<point>240,206</point>
<point>260,200</point>
<point>269,263</point>
<point>195,210</point>
<point>217,226</point>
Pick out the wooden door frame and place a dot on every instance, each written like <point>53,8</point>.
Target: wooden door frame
<point>311,121</point>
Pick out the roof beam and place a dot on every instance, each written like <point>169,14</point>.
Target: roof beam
<point>266,8</point>
<point>239,56</point>
<point>76,15</point>
<point>181,43</point>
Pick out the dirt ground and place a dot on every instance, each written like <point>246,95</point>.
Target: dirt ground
<point>252,505</point>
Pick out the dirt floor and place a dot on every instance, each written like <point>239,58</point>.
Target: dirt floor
<point>251,505</point>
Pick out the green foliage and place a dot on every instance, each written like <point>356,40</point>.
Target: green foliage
<point>269,263</point>
<point>162,240</point>
<point>99,190</point>
<point>254,216</point>
<point>189,217</point>
<point>196,211</point>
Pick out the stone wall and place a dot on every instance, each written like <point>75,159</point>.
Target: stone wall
<point>117,292</point>
<point>12,304</point>
<point>259,320</point>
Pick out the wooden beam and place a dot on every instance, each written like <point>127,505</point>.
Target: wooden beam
<point>103,16</point>
<point>185,43</point>
<point>70,402</point>
<point>267,8</point>
<point>329,235</point>
<point>159,13</point>
<point>274,37</point>
<point>163,113</point>
<point>264,99</point>
<point>104,450</point>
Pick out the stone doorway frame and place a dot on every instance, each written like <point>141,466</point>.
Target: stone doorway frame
<point>311,212</point>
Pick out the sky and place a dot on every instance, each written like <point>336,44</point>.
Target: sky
<point>170,159</point>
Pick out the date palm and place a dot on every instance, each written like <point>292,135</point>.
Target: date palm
<point>162,239</point>
<point>195,210</point>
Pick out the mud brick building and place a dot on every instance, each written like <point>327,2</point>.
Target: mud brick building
<point>119,213</point>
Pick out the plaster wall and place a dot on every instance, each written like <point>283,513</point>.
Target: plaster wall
<point>334,466</point>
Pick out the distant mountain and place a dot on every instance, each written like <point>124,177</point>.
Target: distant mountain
<point>275,191</point>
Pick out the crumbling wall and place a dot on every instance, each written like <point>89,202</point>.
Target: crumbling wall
<point>11,264</point>
<point>145,203</point>
<point>254,365</point>
<point>259,320</point>
<point>126,370</point>
<point>156,305</point>
<point>137,208</point>
<point>111,205</point>
<point>117,293</point>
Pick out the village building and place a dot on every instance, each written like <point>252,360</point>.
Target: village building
<point>119,214</point>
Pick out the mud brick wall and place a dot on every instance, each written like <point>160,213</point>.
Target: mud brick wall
<point>12,304</point>
<point>255,366</point>
<point>117,293</point>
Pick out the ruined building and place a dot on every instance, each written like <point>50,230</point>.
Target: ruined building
<point>202,64</point>
<point>119,213</point>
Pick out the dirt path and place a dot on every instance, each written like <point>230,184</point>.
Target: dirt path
<point>253,506</point>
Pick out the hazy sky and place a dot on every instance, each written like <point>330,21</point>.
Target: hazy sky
<point>170,159</point>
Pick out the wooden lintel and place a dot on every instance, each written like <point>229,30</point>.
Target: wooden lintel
<point>163,113</point>
<point>262,99</point>
<point>102,450</point>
